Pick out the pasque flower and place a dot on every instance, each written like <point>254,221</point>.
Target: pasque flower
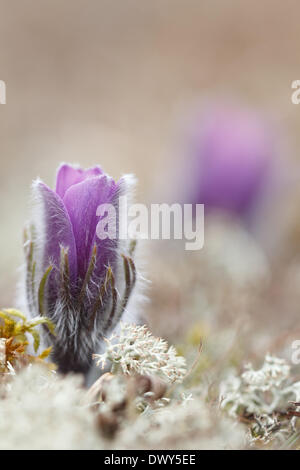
<point>78,281</point>
<point>229,159</point>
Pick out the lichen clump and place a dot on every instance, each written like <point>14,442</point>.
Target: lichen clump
<point>263,399</point>
<point>136,350</point>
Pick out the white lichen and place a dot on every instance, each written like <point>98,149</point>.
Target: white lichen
<point>190,425</point>
<point>136,351</point>
<point>41,410</point>
<point>262,398</point>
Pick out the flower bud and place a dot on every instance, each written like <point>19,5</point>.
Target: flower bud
<point>78,281</point>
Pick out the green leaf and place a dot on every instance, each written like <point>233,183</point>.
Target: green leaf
<point>41,293</point>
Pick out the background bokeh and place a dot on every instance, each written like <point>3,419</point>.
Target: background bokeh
<point>112,82</point>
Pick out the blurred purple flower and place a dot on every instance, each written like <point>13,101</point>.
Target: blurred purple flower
<point>72,276</point>
<point>231,153</point>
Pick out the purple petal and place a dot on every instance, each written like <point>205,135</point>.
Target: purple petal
<point>82,201</point>
<point>55,229</point>
<point>232,153</point>
<point>68,175</point>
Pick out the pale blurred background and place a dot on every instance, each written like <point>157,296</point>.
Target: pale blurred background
<point>109,82</point>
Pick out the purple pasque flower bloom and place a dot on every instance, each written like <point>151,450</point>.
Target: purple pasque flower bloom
<point>80,282</point>
<point>229,159</point>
